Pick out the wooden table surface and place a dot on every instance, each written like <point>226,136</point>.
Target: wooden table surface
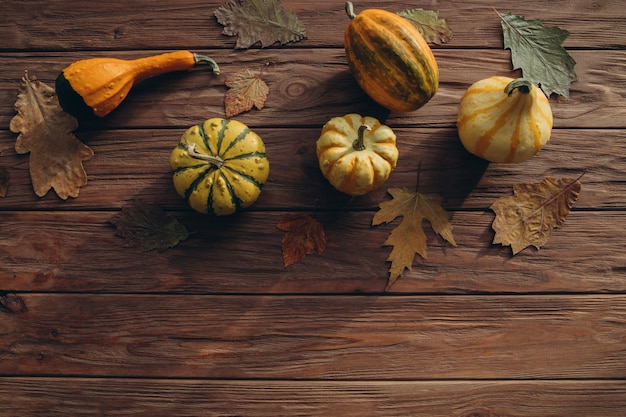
<point>218,326</point>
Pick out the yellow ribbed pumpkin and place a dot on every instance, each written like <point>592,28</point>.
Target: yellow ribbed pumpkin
<point>502,119</point>
<point>390,59</point>
<point>219,166</point>
<point>356,154</point>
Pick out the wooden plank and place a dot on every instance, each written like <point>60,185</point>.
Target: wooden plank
<point>88,397</point>
<point>78,251</point>
<point>306,337</point>
<point>323,89</point>
<point>131,164</point>
<point>111,25</point>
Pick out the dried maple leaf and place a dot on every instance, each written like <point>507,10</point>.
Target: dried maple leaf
<point>148,227</point>
<point>246,90</point>
<point>45,130</point>
<point>259,21</point>
<point>304,236</point>
<point>433,28</point>
<point>408,238</point>
<point>537,51</point>
<point>528,217</point>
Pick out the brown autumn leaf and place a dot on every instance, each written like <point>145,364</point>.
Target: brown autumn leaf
<point>528,216</point>
<point>408,238</point>
<point>45,131</point>
<point>149,227</point>
<point>304,236</point>
<point>246,90</point>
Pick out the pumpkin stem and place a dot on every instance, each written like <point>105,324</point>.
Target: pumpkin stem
<point>521,84</point>
<point>350,10</point>
<point>200,59</point>
<point>358,144</point>
<point>211,159</point>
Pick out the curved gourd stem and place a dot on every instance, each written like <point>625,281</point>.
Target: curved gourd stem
<point>358,144</point>
<point>201,59</point>
<point>350,10</point>
<point>211,159</point>
<point>521,84</point>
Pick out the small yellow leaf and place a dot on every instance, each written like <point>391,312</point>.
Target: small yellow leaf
<point>408,237</point>
<point>528,217</point>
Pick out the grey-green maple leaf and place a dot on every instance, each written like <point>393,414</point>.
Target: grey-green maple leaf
<point>433,28</point>
<point>259,21</point>
<point>537,51</point>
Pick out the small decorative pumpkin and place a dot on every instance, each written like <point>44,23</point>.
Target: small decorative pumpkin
<point>390,59</point>
<point>97,86</point>
<point>502,119</point>
<point>356,154</point>
<point>219,166</point>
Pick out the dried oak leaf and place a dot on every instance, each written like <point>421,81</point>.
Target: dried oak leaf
<point>433,28</point>
<point>148,227</point>
<point>304,236</point>
<point>528,217</point>
<point>259,21</point>
<point>246,90</point>
<point>537,51</point>
<point>45,130</point>
<point>408,238</point>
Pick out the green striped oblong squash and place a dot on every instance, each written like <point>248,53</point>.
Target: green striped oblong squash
<point>390,59</point>
<point>504,120</point>
<point>219,166</point>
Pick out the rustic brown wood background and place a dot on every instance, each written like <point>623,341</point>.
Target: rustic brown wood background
<point>219,327</point>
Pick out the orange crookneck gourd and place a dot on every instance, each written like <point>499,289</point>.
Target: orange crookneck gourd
<point>97,86</point>
<point>505,120</point>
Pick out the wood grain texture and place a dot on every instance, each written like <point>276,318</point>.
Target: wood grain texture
<point>140,397</point>
<point>78,251</point>
<point>305,337</point>
<point>67,25</point>
<point>217,326</point>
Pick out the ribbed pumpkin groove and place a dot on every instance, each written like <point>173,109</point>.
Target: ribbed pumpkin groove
<point>219,166</point>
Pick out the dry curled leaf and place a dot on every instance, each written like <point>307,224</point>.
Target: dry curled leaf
<point>148,227</point>
<point>259,21</point>
<point>433,28</point>
<point>45,130</point>
<point>528,216</point>
<point>408,238</point>
<point>304,236</point>
<point>246,90</point>
<point>537,51</point>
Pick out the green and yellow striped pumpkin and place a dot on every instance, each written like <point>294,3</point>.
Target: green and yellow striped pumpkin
<point>504,120</point>
<point>390,59</point>
<point>219,166</point>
